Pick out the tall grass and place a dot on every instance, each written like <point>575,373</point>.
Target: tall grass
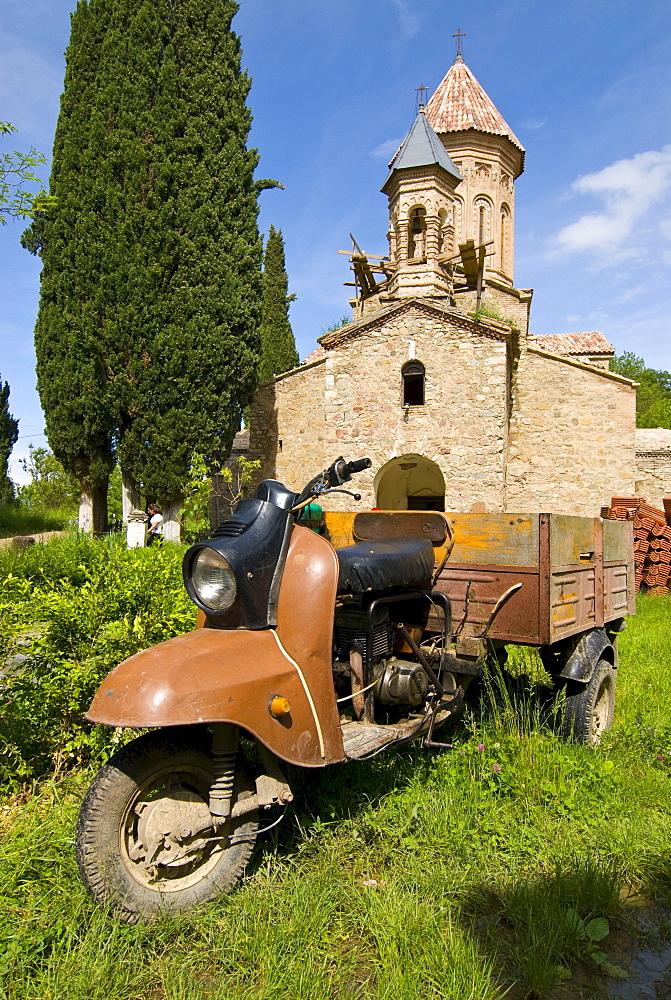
<point>448,876</point>
<point>18,520</point>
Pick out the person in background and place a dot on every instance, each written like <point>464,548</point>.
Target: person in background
<point>155,533</point>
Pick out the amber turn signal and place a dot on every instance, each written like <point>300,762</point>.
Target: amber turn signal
<point>279,707</point>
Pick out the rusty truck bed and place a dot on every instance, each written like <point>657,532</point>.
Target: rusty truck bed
<point>573,573</point>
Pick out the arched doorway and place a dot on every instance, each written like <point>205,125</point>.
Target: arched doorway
<point>410,482</point>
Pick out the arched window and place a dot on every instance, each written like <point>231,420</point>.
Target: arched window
<point>417,233</point>
<point>413,383</point>
<point>483,224</point>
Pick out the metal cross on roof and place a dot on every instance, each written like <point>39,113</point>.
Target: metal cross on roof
<point>421,96</point>
<point>459,35</point>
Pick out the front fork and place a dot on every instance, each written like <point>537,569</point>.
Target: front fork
<point>272,787</point>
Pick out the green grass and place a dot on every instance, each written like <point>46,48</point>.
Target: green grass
<point>18,520</point>
<point>484,860</point>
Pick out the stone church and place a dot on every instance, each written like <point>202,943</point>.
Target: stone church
<point>437,378</point>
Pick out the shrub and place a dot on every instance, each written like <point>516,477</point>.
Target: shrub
<point>69,612</point>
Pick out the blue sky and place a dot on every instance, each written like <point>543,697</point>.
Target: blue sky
<point>584,84</point>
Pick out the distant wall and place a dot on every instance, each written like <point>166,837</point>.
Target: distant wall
<point>653,475</point>
<point>572,437</point>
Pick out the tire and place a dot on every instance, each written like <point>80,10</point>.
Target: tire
<point>160,780</point>
<point>589,710</point>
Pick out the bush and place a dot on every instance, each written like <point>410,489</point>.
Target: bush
<point>69,612</point>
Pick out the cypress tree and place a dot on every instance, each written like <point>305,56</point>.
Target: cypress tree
<point>152,146</point>
<point>71,335</point>
<point>9,432</point>
<point>278,347</point>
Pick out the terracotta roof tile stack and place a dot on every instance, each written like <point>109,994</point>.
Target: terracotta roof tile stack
<point>652,539</point>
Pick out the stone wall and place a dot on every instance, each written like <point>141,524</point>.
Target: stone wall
<point>653,476</point>
<point>653,464</point>
<point>350,404</point>
<point>571,437</point>
<point>509,427</point>
<point>287,426</point>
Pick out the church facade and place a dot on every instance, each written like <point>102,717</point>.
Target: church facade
<point>437,378</point>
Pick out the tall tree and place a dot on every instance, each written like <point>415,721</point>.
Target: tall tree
<point>77,311</point>
<point>653,395</point>
<point>278,347</point>
<point>157,206</point>
<point>9,432</point>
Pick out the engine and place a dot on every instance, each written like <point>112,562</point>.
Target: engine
<point>398,681</point>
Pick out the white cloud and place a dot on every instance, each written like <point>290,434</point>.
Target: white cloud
<point>628,190</point>
<point>409,21</point>
<point>533,124</point>
<point>386,149</point>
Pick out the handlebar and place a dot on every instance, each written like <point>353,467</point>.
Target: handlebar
<point>359,465</point>
<point>342,471</point>
<point>337,474</point>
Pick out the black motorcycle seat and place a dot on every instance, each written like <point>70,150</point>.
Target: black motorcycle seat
<point>381,565</point>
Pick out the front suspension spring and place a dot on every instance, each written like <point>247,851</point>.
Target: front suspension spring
<point>221,789</point>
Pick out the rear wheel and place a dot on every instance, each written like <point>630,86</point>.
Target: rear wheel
<point>145,839</point>
<point>589,709</point>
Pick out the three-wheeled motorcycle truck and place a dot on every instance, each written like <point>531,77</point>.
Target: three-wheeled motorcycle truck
<point>326,646</point>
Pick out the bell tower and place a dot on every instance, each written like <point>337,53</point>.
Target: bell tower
<point>420,186</point>
<point>489,158</point>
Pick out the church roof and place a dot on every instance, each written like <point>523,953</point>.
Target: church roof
<point>576,343</point>
<point>460,103</point>
<point>421,148</point>
<point>316,355</point>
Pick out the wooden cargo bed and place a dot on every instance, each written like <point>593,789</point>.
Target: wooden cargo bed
<point>569,573</point>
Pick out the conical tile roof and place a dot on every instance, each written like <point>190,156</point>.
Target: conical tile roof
<point>460,103</point>
<point>421,148</point>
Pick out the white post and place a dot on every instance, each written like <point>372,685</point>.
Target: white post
<point>86,511</point>
<point>130,496</point>
<point>172,526</point>
<point>136,533</point>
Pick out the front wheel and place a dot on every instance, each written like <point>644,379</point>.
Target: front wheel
<point>145,840</point>
<point>589,710</point>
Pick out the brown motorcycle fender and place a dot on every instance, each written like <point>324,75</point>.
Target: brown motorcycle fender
<point>211,675</point>
<point>231,675</point>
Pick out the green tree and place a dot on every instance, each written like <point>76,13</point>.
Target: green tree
<point>77,313</point>
<point>50,486</point>
<point>17,169</point>
<point>229,484</point>
<point>9,432</point>
<point>151,281</point>
<point>278,347</point>
<point>653,395</point>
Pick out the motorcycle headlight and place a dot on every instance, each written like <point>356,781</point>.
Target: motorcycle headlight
<point>213,580</point>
